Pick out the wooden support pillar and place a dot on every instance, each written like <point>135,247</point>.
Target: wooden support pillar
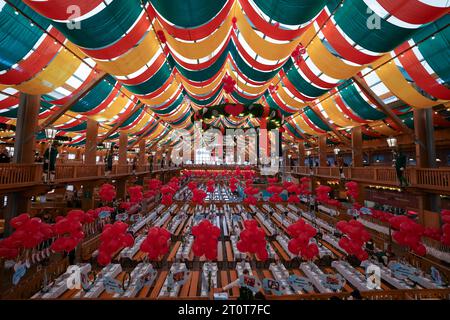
<point>24,145</point>
<point>90,160</point>
<point>357,152</point>
<point>90,153</point>
<point>425,158</point>
<point>322,150</point>
<point>123,147</point>
<point>301,154</point>
<point>142,152</point>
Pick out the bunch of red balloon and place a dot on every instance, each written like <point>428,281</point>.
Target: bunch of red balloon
<point>233,184</point>
<point>206,238</point>
<point>352,190</point>
<point>432,233</point>
<point>161,36</point>
<point>381,215</point>
<point>298,52</point>
<point>228,83</point>
<point>125,205</point>
<point>156,244</point>
<point>294,192</point>
<point>198,196</point>
<point>234,23</point>
<point>445,238</point>
<point>69,230</point>
<point>154,184</point>
<point>322,193</point>
<point>301,233</point>
<point>234,110</point>
<point>272,180</point>
<point>107,192</point>
<point>275,191</point>
<point>135,194</point>
<point>252,240</point>
<point>210,186</point>
<point>251,192</point>
<point>408,234</point>
<point>355,237</point>
<point>323,197</point>
<point>114,237</point>
<point>168,192</point>
<point>304,185</point>
<point>29,233</point>
<point>192,185</point>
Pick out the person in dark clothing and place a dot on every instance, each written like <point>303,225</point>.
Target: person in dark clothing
<point>400,167</point>
<point>4,156</point>
<point>50,162</point>
<point>355,295</point>
<point>109,160</point>
<point>340,165</point>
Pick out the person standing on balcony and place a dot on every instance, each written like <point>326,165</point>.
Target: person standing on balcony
<point>49,162</point>
<point>109,161</point>
<point>400,167</point>
<point>4,156</point>
<point>340,165</point>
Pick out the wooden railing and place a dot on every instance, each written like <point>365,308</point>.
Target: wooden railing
<point>17,174</point>
<point>23,175</point>
<point>414,294</point>
<point>431,179</point>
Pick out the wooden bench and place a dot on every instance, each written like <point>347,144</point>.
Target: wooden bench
<point>159,284</point>
<point>184,292</point>
<point>223,278</point>
<point>173,252</point>
<point>220,254</point>
<point>194,283</point>
<point>281,251</point>
<point>230,256</point>
<point>233,277</point>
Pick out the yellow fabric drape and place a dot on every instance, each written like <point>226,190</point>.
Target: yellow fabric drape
<point>242,85</point>
<point>164,96</point>
<point>113,109</point>
<point>397,84</point>
<point>60,69</point>
<point>382,128</point>
<point>268,50</point>
<point>199,49</point>
<point>326,61</point>
<point>304,126</point>
<point>201,90</point>
<point>141,124</point>
<point>288,99</point>
<point>134,59</point>
<point>335,114</point>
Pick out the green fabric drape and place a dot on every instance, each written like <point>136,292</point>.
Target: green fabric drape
<point>436,51</point>
<point>96,96</point>
<point>104,28</point>
<point>354,101</point>
<point>316,120</point>
<point>188,13</point>
<point>292,12</point>
<point>17,36</point>
<point>353,17</point>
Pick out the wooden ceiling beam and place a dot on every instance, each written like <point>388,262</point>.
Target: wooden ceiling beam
<point>99,76</point>
<point>380,104</point>
<point>120,122</point>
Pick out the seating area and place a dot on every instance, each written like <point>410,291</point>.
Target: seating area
<point>226,150</point>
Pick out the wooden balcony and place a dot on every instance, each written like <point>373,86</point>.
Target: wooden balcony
<point>17,176</point>
<point>437,180</point>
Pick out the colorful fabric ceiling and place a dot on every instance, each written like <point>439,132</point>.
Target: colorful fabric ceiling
<point>165,60</point>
